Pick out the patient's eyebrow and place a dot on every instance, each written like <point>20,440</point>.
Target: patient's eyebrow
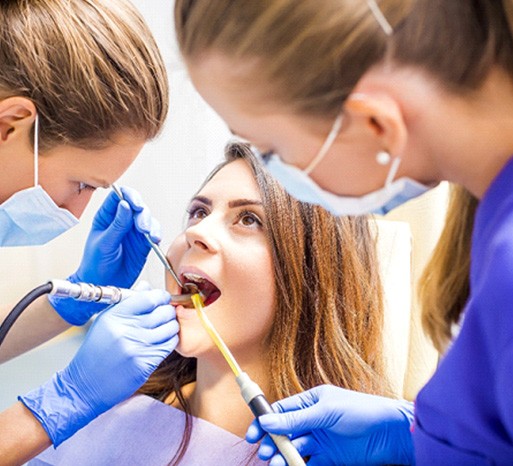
<point>244,202</point>
<point>202,199</point>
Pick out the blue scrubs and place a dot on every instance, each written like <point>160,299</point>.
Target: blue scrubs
<point>464,415</point>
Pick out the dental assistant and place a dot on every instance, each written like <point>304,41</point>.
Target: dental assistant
<point>359,106</point>
<point>78,99</point>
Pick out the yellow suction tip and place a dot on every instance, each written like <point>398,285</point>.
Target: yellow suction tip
<point>216,338</point>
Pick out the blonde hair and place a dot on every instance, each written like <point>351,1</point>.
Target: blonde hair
<point>327,288</point>
<point>444,286</point>
<point>314,53</point>
<point>91,67</point>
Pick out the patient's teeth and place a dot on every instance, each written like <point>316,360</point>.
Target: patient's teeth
<point>194,277</point>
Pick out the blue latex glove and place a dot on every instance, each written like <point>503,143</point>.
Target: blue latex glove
<point>124,346</point>
<point>115,251</point>
<point>335,426</point>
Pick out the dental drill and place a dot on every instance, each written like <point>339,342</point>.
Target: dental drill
<point>86,292</point>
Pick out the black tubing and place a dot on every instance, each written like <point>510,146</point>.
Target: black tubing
<point>28,299</point>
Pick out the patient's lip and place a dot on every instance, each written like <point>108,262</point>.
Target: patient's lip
<point>195,271</point>
<point>205,284</point>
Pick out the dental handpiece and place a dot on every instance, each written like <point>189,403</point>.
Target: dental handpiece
<point>250,390</point>
<point>102,294</point>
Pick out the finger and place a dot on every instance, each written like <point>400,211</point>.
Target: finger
<point>254,432</point>
<point>163,333</point>
<point>160,351</point>
<point>142,221</point>
<point>155,231</point>
<point>294,422</point>
<point>142,302</point>
<point>121,225</point>
<point>106,212</point>
<point>277,460</point>
<point>142,285</point>
<point>294,402</point>
<point>159,316</point>
<point>267,448</point>
<point>133,198</point>
<point>155,354</point>
<point>305,446</point>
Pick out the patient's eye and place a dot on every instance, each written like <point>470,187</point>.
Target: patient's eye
<point>196,212</point>
<point>249,219</point>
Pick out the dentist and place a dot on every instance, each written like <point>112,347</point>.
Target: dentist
<point>82,88</point>
<point>359,106</point>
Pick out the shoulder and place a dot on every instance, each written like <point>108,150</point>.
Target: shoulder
<point>141,430</point>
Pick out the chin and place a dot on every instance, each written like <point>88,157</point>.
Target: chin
<point>191,343</point>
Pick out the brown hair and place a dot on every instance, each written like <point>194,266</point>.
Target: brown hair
<point>91,67</point>
<point>330,44</point>
<point>327,287</point>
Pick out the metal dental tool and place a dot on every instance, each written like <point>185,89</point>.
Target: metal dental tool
<point>184,298</point>
<point>101,294</point>
<point>80,292</point>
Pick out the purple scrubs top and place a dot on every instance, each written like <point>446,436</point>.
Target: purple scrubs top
<point>464,415</point>
<point>145,432</point>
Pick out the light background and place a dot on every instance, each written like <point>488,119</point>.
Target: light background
<point>167,173</point>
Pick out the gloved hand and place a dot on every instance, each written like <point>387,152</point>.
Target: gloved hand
<point>124,346</point>
<point>115,252</point>
<point>335,426</point>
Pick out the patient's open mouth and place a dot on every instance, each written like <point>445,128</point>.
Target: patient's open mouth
<point>209,291</point>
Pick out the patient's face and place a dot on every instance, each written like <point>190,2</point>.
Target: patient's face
<point>225,251</point>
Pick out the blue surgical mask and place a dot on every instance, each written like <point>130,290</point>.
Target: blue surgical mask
<point>30,216</point>
<point>298,184</point>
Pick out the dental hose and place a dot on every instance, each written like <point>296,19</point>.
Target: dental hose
<point>78,291</point>
<point>250,391</point>
<point>28,299</point>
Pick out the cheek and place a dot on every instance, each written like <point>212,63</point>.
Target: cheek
<point>252,301</point>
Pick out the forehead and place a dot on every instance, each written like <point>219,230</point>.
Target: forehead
<point>234,181</point>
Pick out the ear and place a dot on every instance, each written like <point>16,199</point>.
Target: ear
<point>17,115</point>
<point>382,117</point>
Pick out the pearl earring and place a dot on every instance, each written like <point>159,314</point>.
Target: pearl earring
<point>383,157</point>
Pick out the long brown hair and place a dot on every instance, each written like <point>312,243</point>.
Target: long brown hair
<point>314,53</point>
<point>91,67</point>
<point>329,308</point>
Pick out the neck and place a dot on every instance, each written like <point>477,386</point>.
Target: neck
<point>480,141</point>
<point>215,396</point>
<point>463,138</point>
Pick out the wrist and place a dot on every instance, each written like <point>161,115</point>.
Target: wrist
<point>74,312</point>
<point>59,408</point>
<point>407,411</point>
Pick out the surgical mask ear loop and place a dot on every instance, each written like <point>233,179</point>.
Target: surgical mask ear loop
<point>393,170</point>
<point>326,146</point>
<point>36,151</point>
<point>380,17</point>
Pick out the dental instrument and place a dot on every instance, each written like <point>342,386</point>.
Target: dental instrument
<point>162,257</point>
<point>250,391</point>
<point>80,292</point>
